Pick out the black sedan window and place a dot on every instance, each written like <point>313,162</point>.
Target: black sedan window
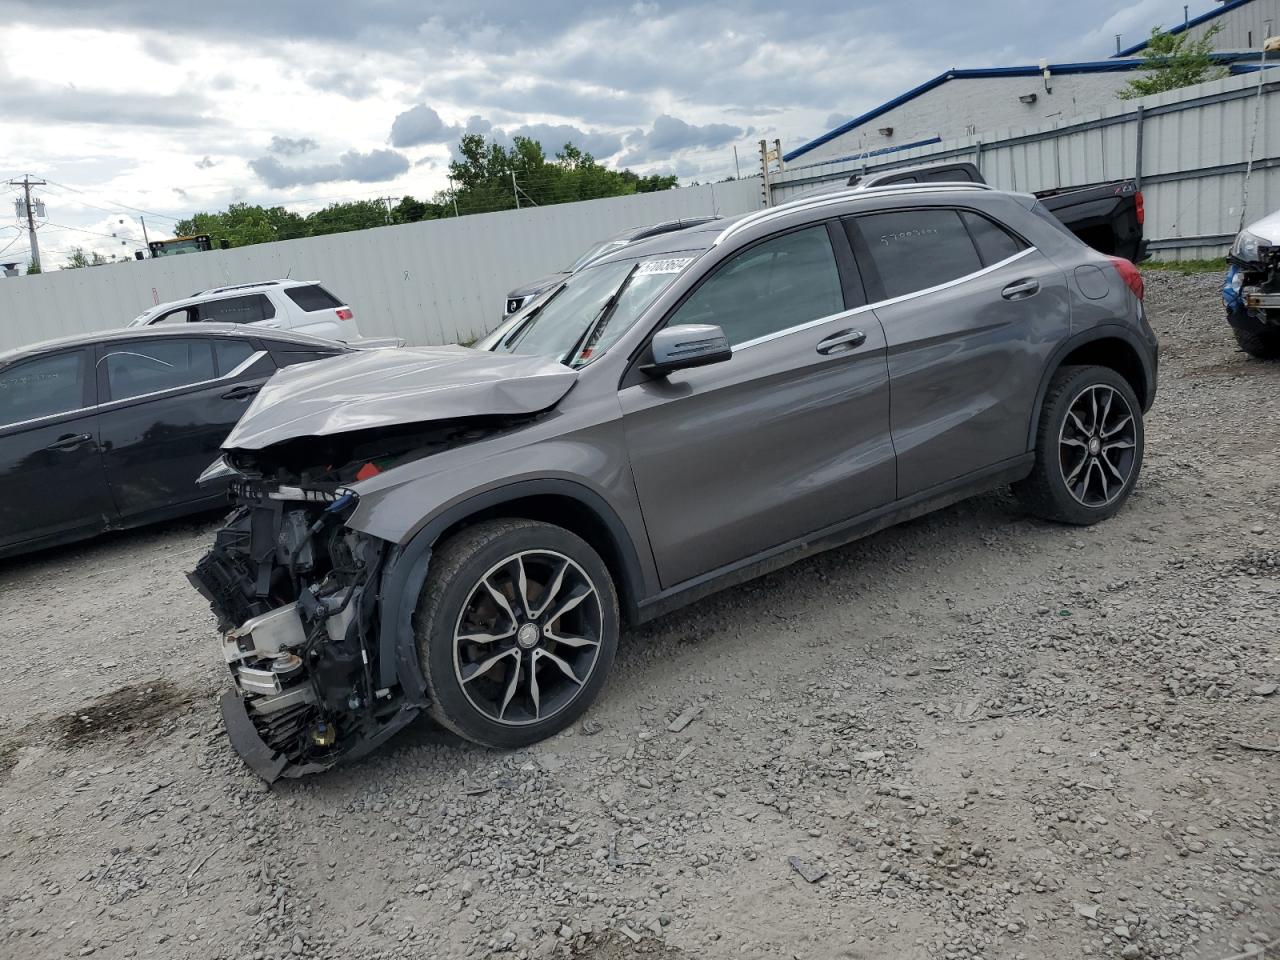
<point>149,366</point>
<point>42,387</point>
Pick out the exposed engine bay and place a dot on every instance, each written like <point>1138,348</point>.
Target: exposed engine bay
<point>296,594</point>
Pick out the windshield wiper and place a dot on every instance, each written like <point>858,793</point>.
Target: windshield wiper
<point>597,325</point>
<point>522,327</point>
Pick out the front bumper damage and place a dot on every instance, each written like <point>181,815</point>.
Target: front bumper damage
<point>296,594</point>
<point>1251,293</point>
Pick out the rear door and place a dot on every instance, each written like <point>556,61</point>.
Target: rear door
<point>51,476</point>
<point>168,403</point>
<point>967,308</point>
<point>787,437</point>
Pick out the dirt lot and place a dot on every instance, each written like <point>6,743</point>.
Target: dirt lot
<point>973,735</point>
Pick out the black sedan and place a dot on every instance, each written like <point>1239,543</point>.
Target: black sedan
<point>110,430</point>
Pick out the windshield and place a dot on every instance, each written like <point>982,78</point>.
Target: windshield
<point>588,312</point>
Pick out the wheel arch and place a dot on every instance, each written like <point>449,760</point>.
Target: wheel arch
<point>567,504</point>
<point>1111,346</point>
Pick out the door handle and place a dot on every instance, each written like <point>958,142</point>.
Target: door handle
<point>69,441</point>
<point>240,393</point>
<point>1021,289</point>
<point>844,340</point>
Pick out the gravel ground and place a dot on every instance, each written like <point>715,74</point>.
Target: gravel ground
<point>972,735</point>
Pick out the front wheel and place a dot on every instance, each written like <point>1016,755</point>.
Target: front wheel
<point>1089,446</point>
<point>516,628</point>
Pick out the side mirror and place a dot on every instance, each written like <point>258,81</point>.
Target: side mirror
<point>685,346</point>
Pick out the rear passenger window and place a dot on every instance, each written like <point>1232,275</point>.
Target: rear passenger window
<point>912,250</point>
<point>42,387</point>
<point>149,366</point>
<point>229,354</point>
<point>299,356</point>
<point>312,298</point>
<point>993,241</point>
<point>773,286</point>
<point>250,309</point>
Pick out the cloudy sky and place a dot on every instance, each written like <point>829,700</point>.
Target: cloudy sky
<point>171,108</point>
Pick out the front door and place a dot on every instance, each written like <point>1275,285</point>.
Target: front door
<point>789,436</point>
<point>967,308</point>
<point>168,404</point>
<point>51,477</point>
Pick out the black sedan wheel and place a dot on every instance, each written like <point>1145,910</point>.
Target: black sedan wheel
<point>517,628</point>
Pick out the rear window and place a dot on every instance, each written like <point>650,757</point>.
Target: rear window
<point>994,242</point>
<point>312,298</point>
<point>251,309</point>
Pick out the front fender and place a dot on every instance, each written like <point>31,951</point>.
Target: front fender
<point>407,568</point>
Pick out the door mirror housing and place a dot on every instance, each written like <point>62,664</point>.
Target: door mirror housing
<point>685,346</point>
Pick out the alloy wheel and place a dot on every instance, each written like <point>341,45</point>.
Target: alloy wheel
<point>528,637</point>
<point>1097,445</point>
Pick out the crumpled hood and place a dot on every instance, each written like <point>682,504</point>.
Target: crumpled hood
<point>374,388</point>
<point>1268,228</point>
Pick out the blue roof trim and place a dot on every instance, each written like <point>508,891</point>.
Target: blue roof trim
<point>1056,69</point>
<point>1193,22</point>
<point>1096,66</point>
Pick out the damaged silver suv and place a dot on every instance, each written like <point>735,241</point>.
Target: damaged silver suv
<point>463,532</point>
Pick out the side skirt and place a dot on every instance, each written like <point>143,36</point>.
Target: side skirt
<point>837,535</point>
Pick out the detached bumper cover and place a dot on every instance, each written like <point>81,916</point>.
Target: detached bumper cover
<point>261,758</point>
<point>271,765</point>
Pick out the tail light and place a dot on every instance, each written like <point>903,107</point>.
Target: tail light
<point>1142,208</point>
<point>1130,275</point>
<point>344,313</point>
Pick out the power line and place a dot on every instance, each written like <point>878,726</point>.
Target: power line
<point>92,233</point>
<point>149,213</point>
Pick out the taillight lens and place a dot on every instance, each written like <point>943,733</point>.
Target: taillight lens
<point>1130,275</point>
<point>1142,208</point>
<point>344,313</point>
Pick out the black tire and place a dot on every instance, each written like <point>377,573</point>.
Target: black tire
<point>1262,346</point>
<point>457,568</point>
<point>1045,492</point>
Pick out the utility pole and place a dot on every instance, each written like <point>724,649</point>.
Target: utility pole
<point>387,201</point>
<point>453,195</point>
<point>737,170</point>
<point>27,183</point>
<point>145,239</point>
<point>764,169</point>
<point>515,189</point>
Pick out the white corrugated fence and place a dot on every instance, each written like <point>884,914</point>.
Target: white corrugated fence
<point>439,281</point>
<point>1195,146</point>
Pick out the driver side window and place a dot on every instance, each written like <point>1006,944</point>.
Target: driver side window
<point>777,284</point>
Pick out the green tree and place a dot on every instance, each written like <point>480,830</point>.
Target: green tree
<point>32,267</point>
<point>341,217</point>
<point>1174,60</point>
<point>79,258</point>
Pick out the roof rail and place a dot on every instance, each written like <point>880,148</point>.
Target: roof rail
<point>839,196</point>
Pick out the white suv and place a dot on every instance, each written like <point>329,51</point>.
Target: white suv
<point>301,305</point>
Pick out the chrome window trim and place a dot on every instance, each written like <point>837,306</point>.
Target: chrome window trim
<point>883,303</point>
<point>842,196</point>
<point>113,403</point>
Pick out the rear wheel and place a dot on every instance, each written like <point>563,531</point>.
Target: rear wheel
<point>517,627</point>
<point>1089,446</point>
<point>1263,346</point>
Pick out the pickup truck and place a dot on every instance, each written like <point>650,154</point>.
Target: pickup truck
<point>1106,216</point>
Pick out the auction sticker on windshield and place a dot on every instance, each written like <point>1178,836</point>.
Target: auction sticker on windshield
<point>670,265</point>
